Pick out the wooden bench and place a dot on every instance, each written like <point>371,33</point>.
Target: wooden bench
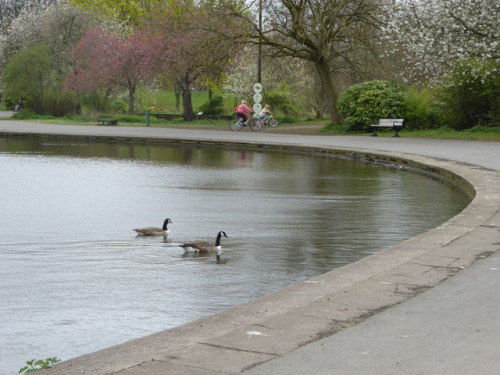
<point>395,123</point>
<point>107,121</point>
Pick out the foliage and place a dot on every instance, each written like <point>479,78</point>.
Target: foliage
<point>132,119</point>
<point>241,74</point>
<point>325,33</point>
<point>164,101</point>
<point>471,94</point>
<point>281,100</point>
<point>199,38</point>
<point>124,11</point>
<point>365,103</point>
<point>29,84</point>
<point>106,60</point>
<point>26,114</point>
<point>215,106</point>
<point>35,365</point>
<point>421,111</point>
<point>333,128</point>
<point>288,120</point>
<point>11,9</point>
<point>59,26</point>
<point>431,35</point>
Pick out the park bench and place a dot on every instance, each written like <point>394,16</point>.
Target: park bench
<point>107,121</point>
<point>394,123</point>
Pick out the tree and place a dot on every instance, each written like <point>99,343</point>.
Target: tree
<point>104,59</point>
<point>191,33</point>
<point>432,35</point>
<point>11,9</point>
<point>129,12</point>
<point>60,27</point>
<point>326,33</point>
<point>30,84</point>
<point>470,95</point>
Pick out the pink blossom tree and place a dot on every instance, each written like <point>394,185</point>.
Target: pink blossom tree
<point>194,45</point>
<point>106,60</point>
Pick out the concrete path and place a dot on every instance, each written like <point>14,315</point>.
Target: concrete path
<point>451,329</point>
<point>366,318</point>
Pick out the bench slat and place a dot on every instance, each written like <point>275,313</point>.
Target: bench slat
<point>107,121</point>
<point>396,124</point>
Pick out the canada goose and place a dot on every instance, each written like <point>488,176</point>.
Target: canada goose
<point>152,231</point>
<point>204,246</point>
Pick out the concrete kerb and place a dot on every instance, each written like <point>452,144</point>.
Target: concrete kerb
<point>262,329</point>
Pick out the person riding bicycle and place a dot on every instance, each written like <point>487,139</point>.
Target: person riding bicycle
<point>265,114</point>
<point>241,111</point>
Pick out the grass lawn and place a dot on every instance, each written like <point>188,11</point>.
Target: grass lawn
<point>480,133</point>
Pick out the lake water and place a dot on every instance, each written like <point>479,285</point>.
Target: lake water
<point>75,278</point>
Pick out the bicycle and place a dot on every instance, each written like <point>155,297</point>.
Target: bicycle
<point>253,123</point>
<point>258,123</point>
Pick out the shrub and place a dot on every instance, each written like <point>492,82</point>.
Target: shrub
<point>471,94</point>
<point>29,75</point>
<point>60,103</point>
<point>365,103</point>
<point>27,114</point>
<point>281,100</point>
<point>215,106</point>
<point>288,120</point>
<point>420,109</point>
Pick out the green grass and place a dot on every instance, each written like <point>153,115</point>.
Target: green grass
<point>480,133</point>
<point>164,101</point>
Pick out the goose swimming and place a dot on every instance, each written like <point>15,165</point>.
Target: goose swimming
<point>204,246</point>
<point>153,231</point>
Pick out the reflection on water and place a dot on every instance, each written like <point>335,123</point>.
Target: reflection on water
<point>76,279</point>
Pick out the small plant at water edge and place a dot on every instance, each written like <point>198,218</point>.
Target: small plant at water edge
<point>39,364</point>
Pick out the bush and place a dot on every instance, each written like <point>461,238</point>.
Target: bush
<point>27,114</point>
<point>471,94</point>
<point>288,120</point>
<point>215,106</point>
<point>60,103</point>
<point>364,104</point>
<point>420,109</point>
<point>29,75</point>
<point>281,100</point>
<point>134,118</point>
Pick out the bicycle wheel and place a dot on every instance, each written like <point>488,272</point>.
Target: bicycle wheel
<point>255,125</point>
<point>273,122</point>
<point>235,126</point>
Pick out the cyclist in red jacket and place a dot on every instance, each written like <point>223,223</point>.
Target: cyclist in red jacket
<point>242,110</point>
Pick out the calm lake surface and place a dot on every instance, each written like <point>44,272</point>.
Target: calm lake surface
<point>75,278</point>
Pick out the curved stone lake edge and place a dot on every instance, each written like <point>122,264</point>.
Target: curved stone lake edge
<point>324,305</point>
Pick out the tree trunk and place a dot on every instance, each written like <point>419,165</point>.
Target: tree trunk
<point>131,100</point>
<point>329,90</point>
<point>186,100</point>
<point>178,93</point>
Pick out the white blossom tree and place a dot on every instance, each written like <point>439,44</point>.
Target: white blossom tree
<point>430,36</point>
<point>11,9</point>
<point>59,26</point>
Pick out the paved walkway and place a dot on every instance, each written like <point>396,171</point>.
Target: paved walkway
<point>333,324</point>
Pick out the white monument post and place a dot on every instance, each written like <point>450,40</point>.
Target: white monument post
<point>257,98</point>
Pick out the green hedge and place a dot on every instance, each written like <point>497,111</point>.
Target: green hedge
<point>364,104</point>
